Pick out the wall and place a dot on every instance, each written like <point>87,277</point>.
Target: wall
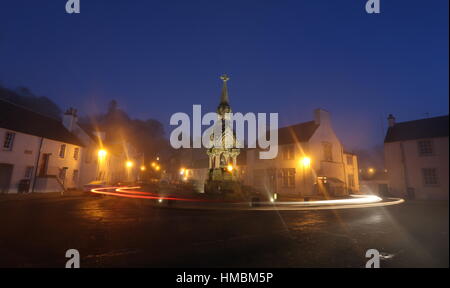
<point>352,170</point>
<point>25,152</point>
<point>410,175</point>
<point>305,176</point>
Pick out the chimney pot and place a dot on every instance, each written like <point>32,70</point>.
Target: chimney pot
<point>391,120</point>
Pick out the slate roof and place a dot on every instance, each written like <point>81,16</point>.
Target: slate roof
<point>20,119</point>
<point>301,132</point>
<point>418,129</point>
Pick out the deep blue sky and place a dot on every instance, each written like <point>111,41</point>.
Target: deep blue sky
<point>160,57</point>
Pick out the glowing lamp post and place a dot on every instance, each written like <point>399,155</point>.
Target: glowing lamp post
<point>129,165</point>
<point>101,163</point>
<point>305,162</point>
<point>102,154</point>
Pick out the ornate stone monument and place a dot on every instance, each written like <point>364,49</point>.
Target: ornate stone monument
<point>223,170</point>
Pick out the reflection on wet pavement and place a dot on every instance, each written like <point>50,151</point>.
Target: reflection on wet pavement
<point>111,232</point>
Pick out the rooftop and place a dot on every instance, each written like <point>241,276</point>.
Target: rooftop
<point>20,119</point>
<point>418,129</point>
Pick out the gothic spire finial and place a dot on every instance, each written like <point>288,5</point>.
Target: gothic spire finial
<point>224,96</point>
<point>224,78</point>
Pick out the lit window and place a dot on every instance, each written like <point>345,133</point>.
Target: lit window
<point>28,172</point>
<point>62,151</point>
<point>76,152</point>
<point>8,141</point>
<point>430,176</point>
<point>425,147</point>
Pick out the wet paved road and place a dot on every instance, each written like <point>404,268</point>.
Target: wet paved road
<point>117,232</point>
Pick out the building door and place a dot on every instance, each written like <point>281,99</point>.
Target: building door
<point>44,164</point>
<point>5,177</point>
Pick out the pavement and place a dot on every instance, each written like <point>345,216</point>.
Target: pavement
<point>36,195</point>
<point>111,231</point>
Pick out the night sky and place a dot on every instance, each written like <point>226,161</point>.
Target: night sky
<point>160,57</point>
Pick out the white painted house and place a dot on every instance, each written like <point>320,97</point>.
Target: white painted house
<point>416,158</point>
<point>311,162</point>
<point>49,155</point>
<point>36,149</point>
<point>102,160</point>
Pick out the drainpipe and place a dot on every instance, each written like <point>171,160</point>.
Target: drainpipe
<point>345,170</point>
<point>36,166</point>
<point>405,169</point>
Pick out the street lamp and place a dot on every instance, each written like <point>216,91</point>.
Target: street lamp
<point>102,153</point>
<point>129,164</point>
<point>230,168</point>
<point>306,162</point>
<point>182,170</point>
<point>143,168</point>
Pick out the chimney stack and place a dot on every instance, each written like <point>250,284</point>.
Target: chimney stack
<point>391,120</point>
<point>70,119</point>
<point>322,116</point>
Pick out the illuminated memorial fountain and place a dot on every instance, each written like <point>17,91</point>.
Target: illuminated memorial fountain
<point>222,175</point>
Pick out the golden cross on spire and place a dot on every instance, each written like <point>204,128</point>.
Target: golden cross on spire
<point>224,78</point>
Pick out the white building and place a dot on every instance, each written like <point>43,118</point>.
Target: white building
<point>311,162</point>
<point>416,158</point>
<point>48,155</point>
<point>36,149</point>
<point>103,161</point>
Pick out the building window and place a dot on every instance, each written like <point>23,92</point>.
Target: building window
<point>351,180</point>
<point>76,152</point>
<point>350,160</point>
<point>288,152</point>
<point>430,176</point>
<point>75,176</point>
<point>288,177</point>
<point>62,173</point>
<point>425,147</point>
<point>327,151</point>
<point>62,150</point>
<point>8,141</point>
<point>29,172</point>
